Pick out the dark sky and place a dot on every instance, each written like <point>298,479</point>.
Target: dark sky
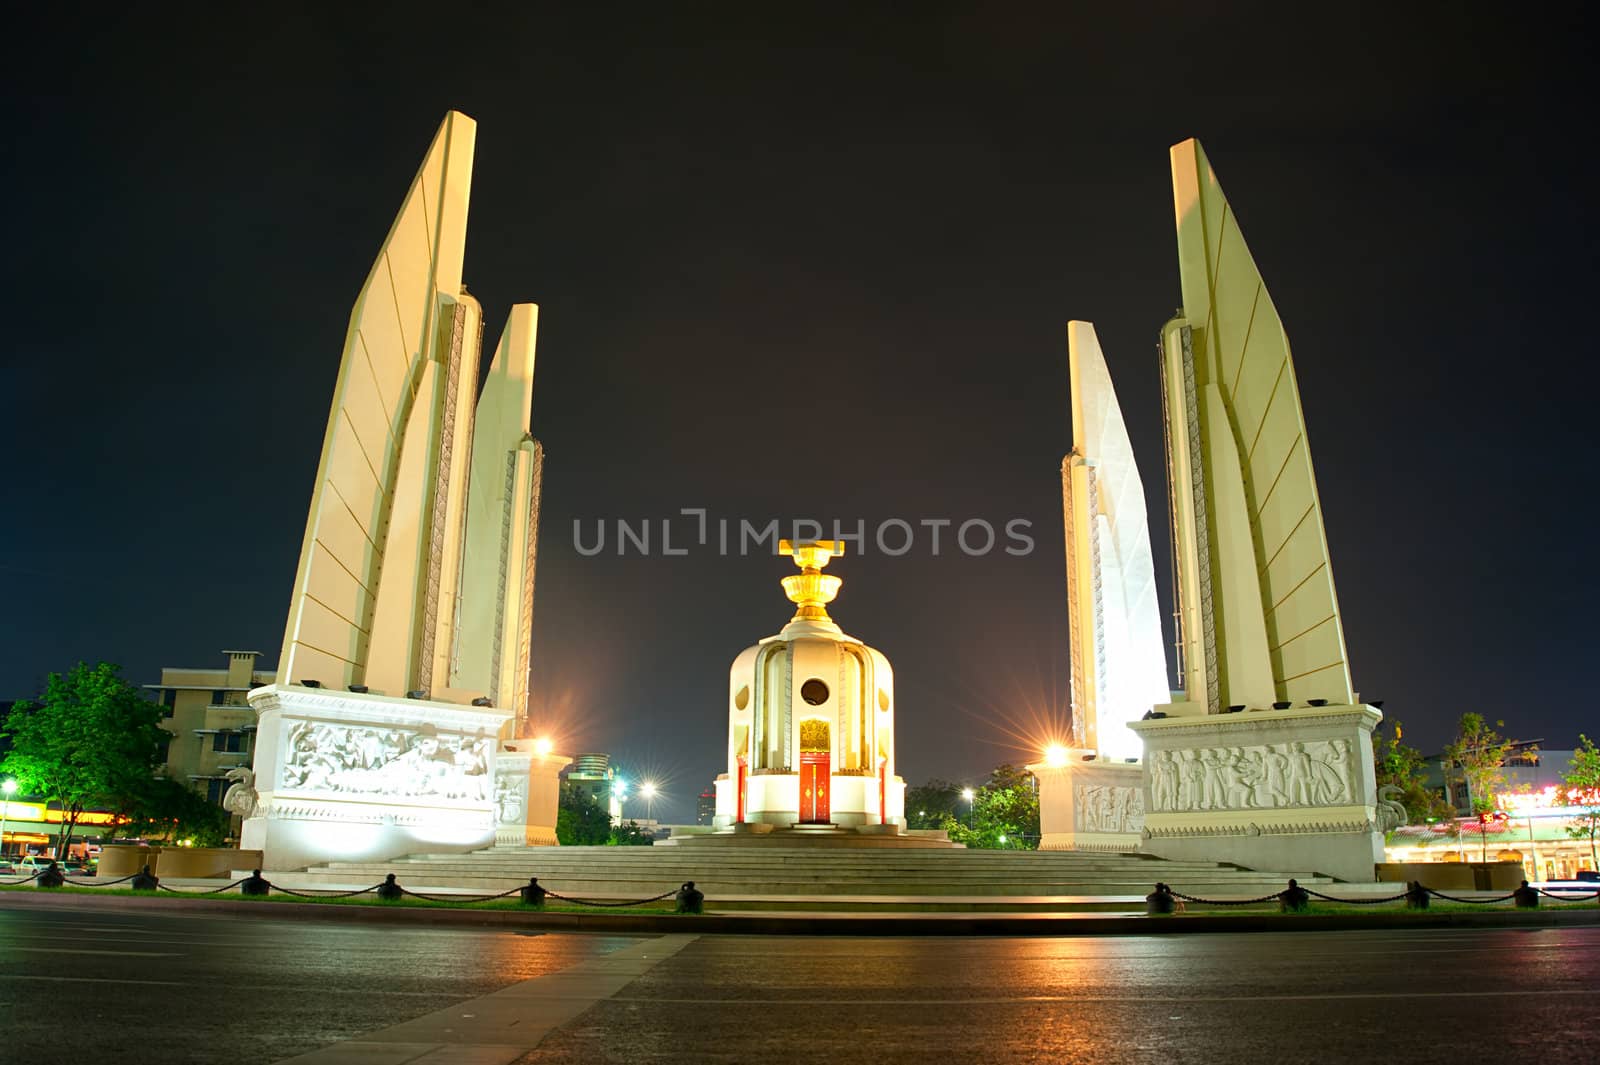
<point>806,264</point>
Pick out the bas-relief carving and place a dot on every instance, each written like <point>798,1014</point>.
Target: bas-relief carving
<point>387,762</point>
<point>1108,808</point>
<point>511,798</point>
<point>1259,777</point>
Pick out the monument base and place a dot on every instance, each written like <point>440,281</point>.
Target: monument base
<point>348,776</point>
<point>1090,805</point>
<point>527,794</point>
<point>1268,789</point>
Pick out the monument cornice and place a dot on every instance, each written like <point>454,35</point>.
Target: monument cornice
<point>368,708</point>
<point>1294,719</point>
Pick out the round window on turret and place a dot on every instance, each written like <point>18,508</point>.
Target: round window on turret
<point>742,699</point>
<point>814,692</point>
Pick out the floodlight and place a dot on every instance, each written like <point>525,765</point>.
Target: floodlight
<point>1055,755</point>
<point>311,684</point>
<point>1282,706</point>
<point>483,700</point>
<point>543,745</point>
<point>359,689</point>
<point>417,693</point>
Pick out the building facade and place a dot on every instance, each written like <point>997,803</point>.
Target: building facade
<point>212,725</point>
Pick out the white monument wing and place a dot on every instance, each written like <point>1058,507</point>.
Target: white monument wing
<point>1268,552</point>
<point>1118,662</point>
<point>363,560</point>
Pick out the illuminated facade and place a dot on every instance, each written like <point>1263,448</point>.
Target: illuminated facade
<point>1265,759</point>
<point>405,655</point>
<point>811,719</point>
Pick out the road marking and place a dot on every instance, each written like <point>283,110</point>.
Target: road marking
<point>80,950</point>
<point>1133,997</point>
<point>500,1028</point>
<point>91,980</point>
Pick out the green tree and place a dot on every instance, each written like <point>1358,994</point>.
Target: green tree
<point>927,805</point>
<point>580,819</point>
<point>92,740</point>
<point>631,835</point>
<point>168,810</point>
<point>1582,793</point>
<point>1400,766</point>
<point>1479,751</point>
<point>1005,813</point>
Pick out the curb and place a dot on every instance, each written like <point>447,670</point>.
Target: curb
<point>835,924</point>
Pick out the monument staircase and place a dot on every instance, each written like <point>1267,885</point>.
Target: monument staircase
<point>800,876</point>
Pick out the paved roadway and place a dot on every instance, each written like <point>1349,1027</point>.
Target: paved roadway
<point>114,987</point>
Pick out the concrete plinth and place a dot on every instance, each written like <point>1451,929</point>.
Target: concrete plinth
<point>1268,789</point>
<point>1092,805</point>
<point>527,795</point>
<point>350,776</point>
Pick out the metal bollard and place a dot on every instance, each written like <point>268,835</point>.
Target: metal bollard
<point>145,880</point>
<point>255,884</point>
<point>51,877</point>
<point>690,900</point>
<point>1160,902</point>
<point>533,894</point>
<point>389,889</point>
<point>1416,896</point>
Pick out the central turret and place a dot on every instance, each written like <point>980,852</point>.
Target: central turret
<point>811,717</point>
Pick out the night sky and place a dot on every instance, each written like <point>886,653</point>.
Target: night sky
<point>806,264</point>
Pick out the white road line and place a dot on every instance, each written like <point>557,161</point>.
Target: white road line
<point>91,980</point>
<point>78,950</point>
<point>1132,998</point>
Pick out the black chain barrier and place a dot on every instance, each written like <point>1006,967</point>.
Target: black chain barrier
<point>1357,902</point>
<point>102,883</point>
<point>322,895</point>
<point>1568,898</point>
<point>469,899</point>
<point>594,902</point>
<point>214,891</point>
<point>1403,896</point>
<point>1226,902</point>
<point>24,880</point>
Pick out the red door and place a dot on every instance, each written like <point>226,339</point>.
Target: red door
<point>815,771</point>
<point>740,813</point>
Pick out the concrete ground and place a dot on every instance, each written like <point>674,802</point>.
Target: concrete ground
<point>126,986</point>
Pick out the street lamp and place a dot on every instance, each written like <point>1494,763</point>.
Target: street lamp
<point>969,795</point>
<point>10,788</point>
<point>648,790</point>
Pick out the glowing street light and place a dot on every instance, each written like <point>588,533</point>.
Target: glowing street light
<point>1055,756</point>
<point>10,788</point>
<point>648,790</point>
<point>543,745</point>
<point>969,795</point>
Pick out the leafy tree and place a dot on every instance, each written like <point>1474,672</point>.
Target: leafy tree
<point>1582,791</point>
<point>92,740</point>
<point>1400,766</point>
<point>631,835</point>
<point>168,810</point>
<point>1005,813</point>
<point>927,805</point>
<point>580,819</point>
<point>1479,751</point>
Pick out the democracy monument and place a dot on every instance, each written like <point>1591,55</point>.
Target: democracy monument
<point>1264,757</point>
<point>401,724</point>
<point>401,719</point>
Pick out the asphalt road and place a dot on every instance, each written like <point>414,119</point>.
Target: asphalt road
<point>129,988</point>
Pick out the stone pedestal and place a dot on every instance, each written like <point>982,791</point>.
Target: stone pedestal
<point>1093,805</point>
<point>527,795</point>
<point>344,776</point>
<point>1288,790</point>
